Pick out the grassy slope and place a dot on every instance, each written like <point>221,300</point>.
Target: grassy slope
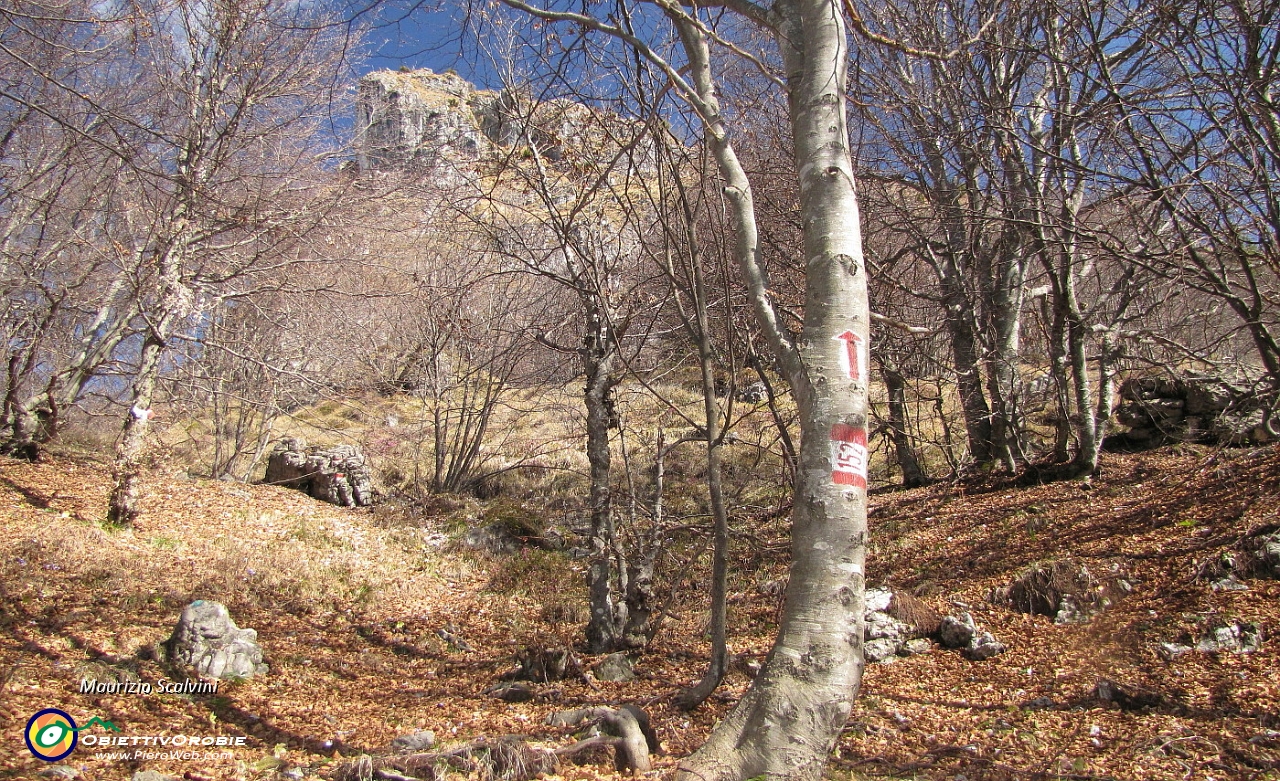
<point>347,604</point>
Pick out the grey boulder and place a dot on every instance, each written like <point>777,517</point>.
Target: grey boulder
<point>207,640</point>
<point>957,632</point>
<point>418,741</point>
<point>615,668</point>
<point>984,646</point>
<point>1236,637</point>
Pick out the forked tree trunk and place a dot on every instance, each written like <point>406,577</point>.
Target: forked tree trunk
<point>786,724</point>
<point>1004,299</point>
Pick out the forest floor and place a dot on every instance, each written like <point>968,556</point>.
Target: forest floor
<point>347,604</point>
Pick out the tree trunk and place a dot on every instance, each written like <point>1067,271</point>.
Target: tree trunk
<point>786,724</point>
<point>605,627</point>
<point>32,421</point>
<point>719,664</point>
<point>122,507</point>
<point>1051,313</point>
<point>1003,381</point>
<point>896,386</point>
<point>966,358</point>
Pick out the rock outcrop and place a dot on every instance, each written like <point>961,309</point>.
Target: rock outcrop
<point>420,119</point>
<point>207,640</point>
<point>1189,408</point>
<point>338,475</point>
<point>1221,636</point>
<point>896,624</point>
<point>427,122</point>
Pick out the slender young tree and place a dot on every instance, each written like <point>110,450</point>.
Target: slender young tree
<point>559,213</point>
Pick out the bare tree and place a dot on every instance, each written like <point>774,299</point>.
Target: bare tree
<point>68,300</point>
<point>787,722</point>
<point>558,212</point>
<point>240,89</point>
<point>681,253</point>
<point>1206,149</point>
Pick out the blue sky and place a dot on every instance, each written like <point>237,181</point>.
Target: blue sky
<point>425,38</point>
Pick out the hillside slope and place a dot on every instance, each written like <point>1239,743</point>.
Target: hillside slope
<point>348,605</point>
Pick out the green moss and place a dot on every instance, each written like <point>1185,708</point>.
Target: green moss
<point>520,519</point>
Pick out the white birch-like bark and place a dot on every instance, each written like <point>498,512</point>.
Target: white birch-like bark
<point>786,724</point>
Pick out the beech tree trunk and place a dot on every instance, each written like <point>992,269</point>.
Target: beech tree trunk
<point>786,724</point>
<point>608,619</point>
<point>31,420</point>
<point>965,355</point>
<point>122,505</point>
<point>896,387</point>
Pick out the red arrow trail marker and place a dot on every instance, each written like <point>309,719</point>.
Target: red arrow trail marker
<point>849,359</point>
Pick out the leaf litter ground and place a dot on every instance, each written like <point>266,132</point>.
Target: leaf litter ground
<point>348,608</point>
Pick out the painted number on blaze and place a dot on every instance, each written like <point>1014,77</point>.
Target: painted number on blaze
<point>849,455</point>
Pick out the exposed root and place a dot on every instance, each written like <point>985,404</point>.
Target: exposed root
<point>510,758</point>
<point>505,759</point>
<point>628,732</point>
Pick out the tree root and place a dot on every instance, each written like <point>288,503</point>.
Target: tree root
<point>510,758</point>
<point>628,732</point>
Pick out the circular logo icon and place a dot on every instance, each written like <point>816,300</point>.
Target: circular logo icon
<point>51,734</point>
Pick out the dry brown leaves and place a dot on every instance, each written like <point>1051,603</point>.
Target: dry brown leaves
<point>348,612</point>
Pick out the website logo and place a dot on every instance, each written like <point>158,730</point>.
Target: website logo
<point>51,734</point>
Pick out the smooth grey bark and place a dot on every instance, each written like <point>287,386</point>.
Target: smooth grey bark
<point>123,503</point>
<point>1004,304</point>
<point>1057,200</point>
<point>786,724</point>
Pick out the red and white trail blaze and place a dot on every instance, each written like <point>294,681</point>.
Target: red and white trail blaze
<point>849,455</point>
<point>851,358</point>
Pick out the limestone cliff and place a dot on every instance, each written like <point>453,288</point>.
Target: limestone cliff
<point>417,120</point>
<point>424,121</point>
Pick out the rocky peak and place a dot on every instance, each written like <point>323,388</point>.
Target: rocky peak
<point>420,120</point>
